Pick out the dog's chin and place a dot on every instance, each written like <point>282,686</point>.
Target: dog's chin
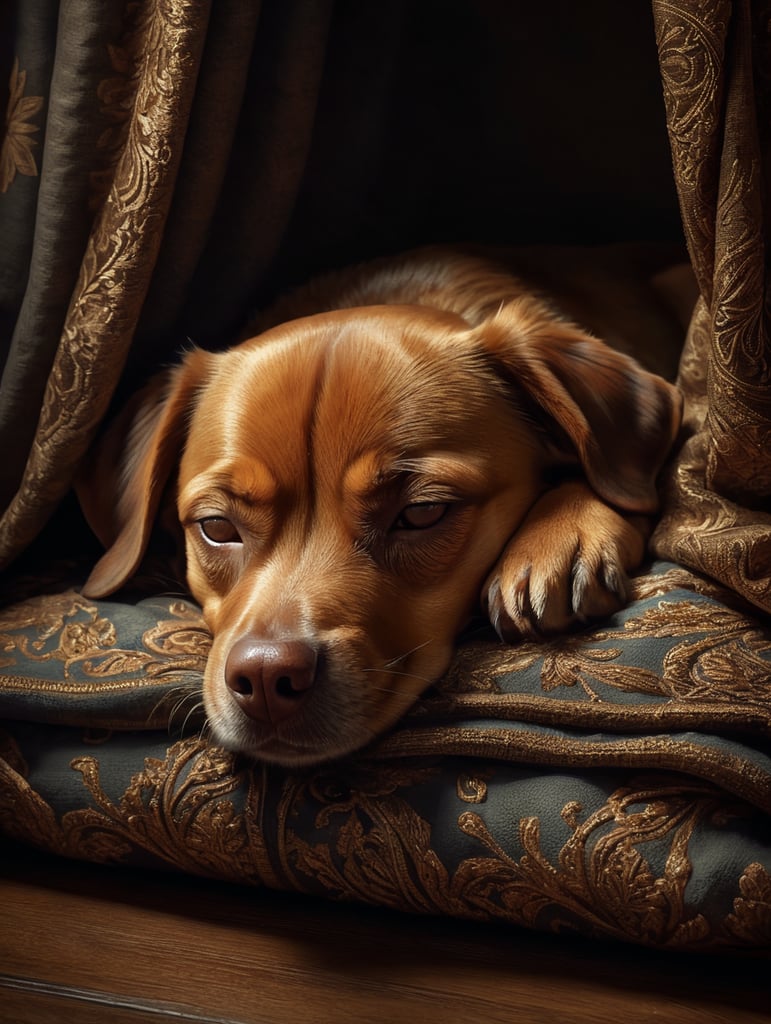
<point>295,744</point>
<point>290,751</point>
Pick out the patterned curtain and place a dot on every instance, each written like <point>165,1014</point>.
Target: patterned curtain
<point>715,59</point>
<point>141,108</point>
<point>129,123</point>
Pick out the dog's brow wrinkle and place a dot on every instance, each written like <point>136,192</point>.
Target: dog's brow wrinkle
<point>364,475</point>
<point>246,480</point>
<point>444,467</point>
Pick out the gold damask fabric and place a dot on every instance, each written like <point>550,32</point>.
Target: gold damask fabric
<point>66,659</point>
<point>616,781</point>
<point>679,680</point>
<point>715,59</point>
<point>128,126</point>
<point>144,104</point>
<point>657,859</point>
<point>17,153</point>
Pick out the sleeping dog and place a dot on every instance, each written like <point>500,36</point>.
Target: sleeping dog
<point>399,445</point>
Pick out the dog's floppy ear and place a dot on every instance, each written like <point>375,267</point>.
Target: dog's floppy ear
<point>120,485</point>
<point>619,419</point>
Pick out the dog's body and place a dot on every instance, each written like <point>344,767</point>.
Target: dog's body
<point>355,482</point>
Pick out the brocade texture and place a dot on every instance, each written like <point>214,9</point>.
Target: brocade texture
<point>616,781</point>
<point>161,50</point>
<point>714,58</point>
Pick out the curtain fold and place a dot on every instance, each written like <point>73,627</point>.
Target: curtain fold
<point>714,59</point>
<point>245,154</point>
<point>150,126</point>
<point>52,119</point>
<point>146,102</point>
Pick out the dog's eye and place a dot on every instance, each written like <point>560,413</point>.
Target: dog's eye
<point>219,530</point>
<point>421,516</point>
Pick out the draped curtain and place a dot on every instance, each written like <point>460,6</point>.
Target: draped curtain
<point>715,59</point>
<point>179,105</point>
<point>154,91</point>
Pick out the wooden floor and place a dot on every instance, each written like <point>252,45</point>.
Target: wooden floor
<point>85,944</point>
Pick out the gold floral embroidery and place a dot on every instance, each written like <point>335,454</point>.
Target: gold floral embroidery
<point>381,853</point>
<point>16,156</point>
<point>690,55</point>
<point>117,264</point>
<point>601,881</point>
<point>71,631</point>
<point>24,814</point>
<point>75,639</point>
<point>623,871</point>
<point>117,96</point>
<point>715,82</point>
<point>46,614</point>
<point>601,876</point>
<point>750,922</point>
<point>177,809</point>
<point>710,654</point>
<point>472,788</point>
<point>182,638</point>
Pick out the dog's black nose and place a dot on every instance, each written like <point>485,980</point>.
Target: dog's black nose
<point>270,679</point>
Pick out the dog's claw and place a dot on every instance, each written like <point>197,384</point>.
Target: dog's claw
<point>539,591</point>
<point>515,618</point>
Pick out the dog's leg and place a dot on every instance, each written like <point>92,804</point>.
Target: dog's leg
<point>566,564</point>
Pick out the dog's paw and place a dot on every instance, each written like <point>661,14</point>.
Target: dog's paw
<point>566,566</point>
<point>533,597</point>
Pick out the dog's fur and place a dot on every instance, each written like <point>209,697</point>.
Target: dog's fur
<point>355,483</point>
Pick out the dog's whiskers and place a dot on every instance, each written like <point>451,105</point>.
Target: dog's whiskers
<point>403,657</point>
<point>389,668</point>
<point>196,709</point>
<point>402,675</point>
<point>181,696</point>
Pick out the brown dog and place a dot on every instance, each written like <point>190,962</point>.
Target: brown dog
<point>352,483</point>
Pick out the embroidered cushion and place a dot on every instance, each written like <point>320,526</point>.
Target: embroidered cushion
<point>616,781</point>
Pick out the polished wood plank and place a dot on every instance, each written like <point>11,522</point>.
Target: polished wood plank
<point>33,1004</point>
<point>80,943</point>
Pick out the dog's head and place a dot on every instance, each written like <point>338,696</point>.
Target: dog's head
<point>345,483</point>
